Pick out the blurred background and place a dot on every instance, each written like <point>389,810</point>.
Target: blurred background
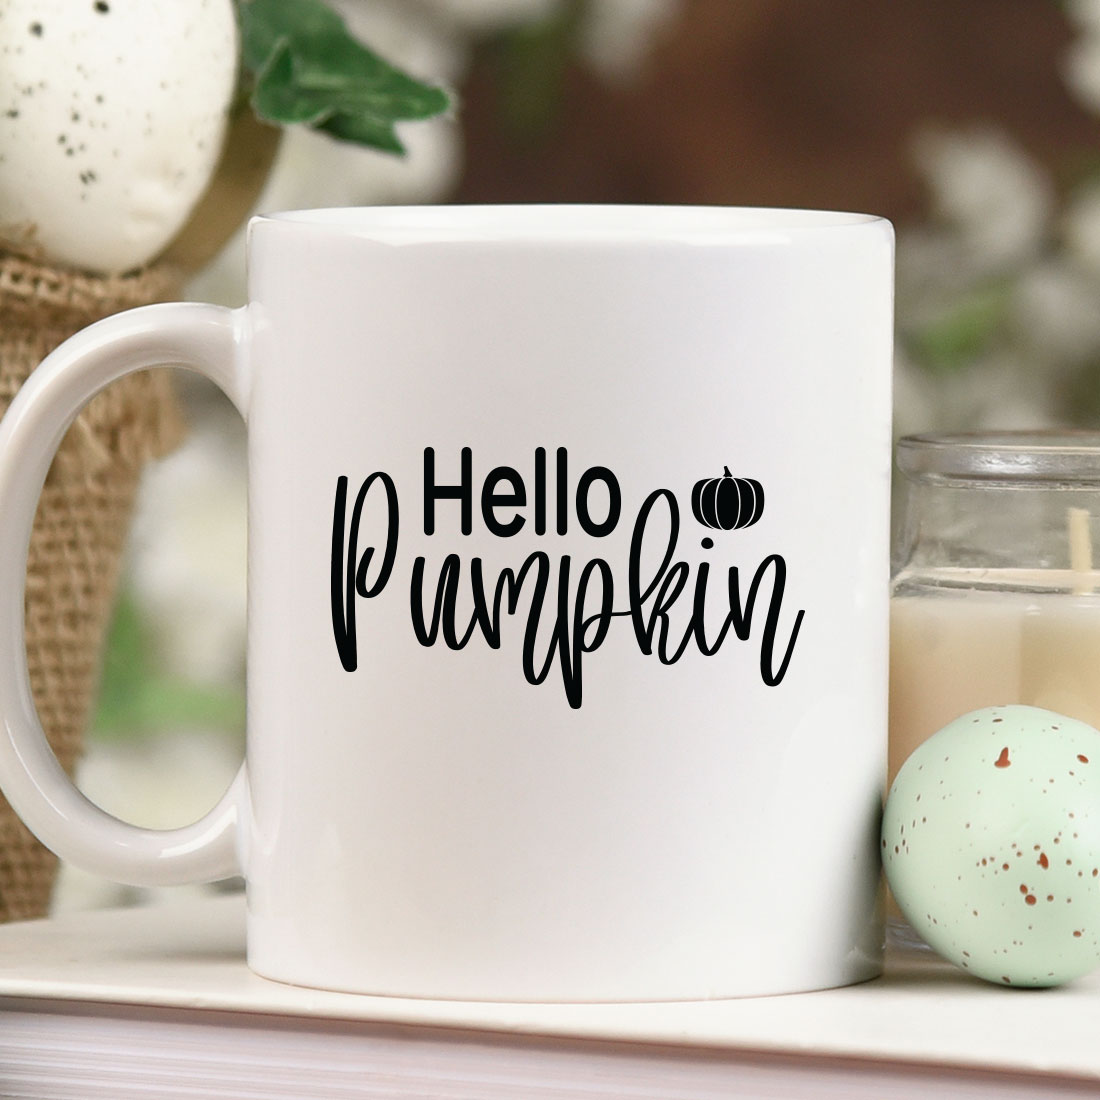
<point>972,126</point>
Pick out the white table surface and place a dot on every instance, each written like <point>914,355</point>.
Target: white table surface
<point>191,956</point>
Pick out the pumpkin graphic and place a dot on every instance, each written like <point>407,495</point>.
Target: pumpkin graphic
<point>727,503</point>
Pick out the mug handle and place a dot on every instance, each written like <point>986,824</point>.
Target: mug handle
<point>211,340</point>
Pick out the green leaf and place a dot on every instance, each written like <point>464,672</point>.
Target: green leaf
<point>533,62</point>
<point>308,70</point>
<point>1079,396</point>
<point>265,22</point>
<point>136,698</point>
<point>954,340</point>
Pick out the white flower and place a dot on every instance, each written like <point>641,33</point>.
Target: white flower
<point>188,556</point>
<point>1055,312</point>
<point>1081,70</point>
<point>617,34</point>
<point>1081,229</point>
<point>1085,13</point>
<point>989,193</point>
<point>408,34</point>
<point>312,169</point>
<point>1008,387</point>
<point>1003,392</point>
<point>479,16</point>
<point>934,267</point>
<point>915,405</point>
<point>1081,64</point>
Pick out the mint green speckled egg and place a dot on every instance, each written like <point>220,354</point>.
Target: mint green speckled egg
<point>991,845</point>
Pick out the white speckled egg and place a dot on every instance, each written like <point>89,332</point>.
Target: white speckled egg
<point>112,114</point>
<point>991,844</point>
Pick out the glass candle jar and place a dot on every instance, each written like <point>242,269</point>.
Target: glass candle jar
<point>995,598</point>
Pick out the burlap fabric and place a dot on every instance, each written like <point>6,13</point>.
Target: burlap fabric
<point>81,526</point>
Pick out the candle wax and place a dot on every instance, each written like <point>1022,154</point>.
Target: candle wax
<point>960,649</point>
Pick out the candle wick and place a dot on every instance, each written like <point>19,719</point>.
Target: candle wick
<point>1080,549</point>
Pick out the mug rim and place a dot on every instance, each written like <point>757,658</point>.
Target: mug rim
<point>617,222</point>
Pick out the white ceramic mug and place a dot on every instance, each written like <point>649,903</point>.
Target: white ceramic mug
<point>567,599</point>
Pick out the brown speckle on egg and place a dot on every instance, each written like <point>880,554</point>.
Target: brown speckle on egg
<point>1028,748</point>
